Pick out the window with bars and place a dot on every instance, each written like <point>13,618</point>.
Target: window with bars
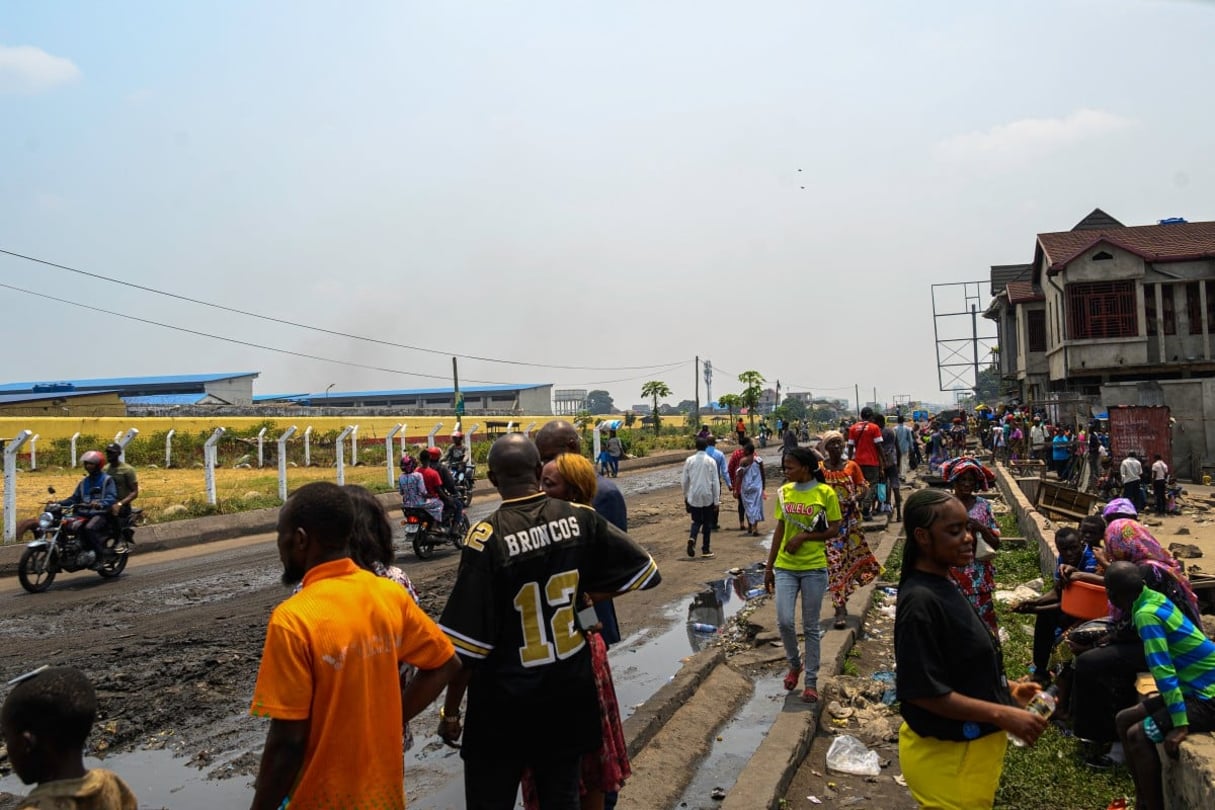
<point>1102,309</point>
<point>1035,330</point>
<point>1167,316</point>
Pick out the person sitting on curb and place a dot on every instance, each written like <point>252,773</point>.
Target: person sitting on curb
<point>1182,661</point>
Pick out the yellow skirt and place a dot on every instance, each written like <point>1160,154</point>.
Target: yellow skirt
<point>946,775</point>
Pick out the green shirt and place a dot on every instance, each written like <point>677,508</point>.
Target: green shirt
<point>1181,658</point>
<point>797,506</point>
<point>124,478</point>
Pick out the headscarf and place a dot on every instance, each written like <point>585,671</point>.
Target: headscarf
<point>1120,506</point>
<point>955,468</point>
<point>829,435</point>
<point>1129,541</point>
<point>408,464</point>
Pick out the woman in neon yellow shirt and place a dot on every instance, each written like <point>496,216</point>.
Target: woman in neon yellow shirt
<point>808,515</point>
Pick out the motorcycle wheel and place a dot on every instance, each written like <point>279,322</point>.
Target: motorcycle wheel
<point>115,565</point>
<point>422,547</point>
<point>460,532</point>
<point>34,570</point>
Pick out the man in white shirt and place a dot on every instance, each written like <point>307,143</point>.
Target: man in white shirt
<point>1130,471</point>
<point>701,493</point>
<point>1037,441</point>
<point>1160,480</point>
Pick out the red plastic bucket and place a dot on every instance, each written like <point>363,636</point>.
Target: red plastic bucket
<point>1084,600</point>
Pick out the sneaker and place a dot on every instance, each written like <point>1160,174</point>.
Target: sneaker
<point>691,548</point>
<point>708,555</point>
<point>792,677</point>
<point>809,695</point>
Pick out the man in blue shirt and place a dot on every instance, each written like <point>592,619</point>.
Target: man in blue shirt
<point>93,497</point>
<point>719,458</point>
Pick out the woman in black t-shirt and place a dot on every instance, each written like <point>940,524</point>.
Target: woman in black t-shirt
<point>955,698</point>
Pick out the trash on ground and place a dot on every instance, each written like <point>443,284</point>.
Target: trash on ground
<point>718,794</point>
<point>849,755</point>
<point>898,777</point>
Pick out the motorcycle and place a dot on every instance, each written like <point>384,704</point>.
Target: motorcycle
<point>424,533</point>
<point>59,545</point>
<point>464,475</point>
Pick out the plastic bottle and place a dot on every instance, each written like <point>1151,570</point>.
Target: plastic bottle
<point>701,627</point>
<point>1042,704</point>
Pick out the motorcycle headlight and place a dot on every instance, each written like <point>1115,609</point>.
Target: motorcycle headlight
<point>45,520</point>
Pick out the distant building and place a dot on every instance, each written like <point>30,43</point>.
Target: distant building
<point>643,409</point>
<point>529,399</point>
<point>176,389</point>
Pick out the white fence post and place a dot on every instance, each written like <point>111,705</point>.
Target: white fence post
<point>596,443</point>
<point>282,462</point>
<point>528,432</point>
<point>124,439</point>
<point>404,438</point>
<point>341,455</point>
<point>510,427</point>
<point>75,436</point>
<point>392,479</point>
<point>308,446</point>
<point>168,447</point>
<point>261,452</point>
<point>354,446</point>
<point>430,438</point>
<point>10,485</point>
<point>34,451</point>
<point>468,439</point>
<point>209,460</point>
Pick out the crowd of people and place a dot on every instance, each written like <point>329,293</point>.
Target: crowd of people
<point>350,658</point>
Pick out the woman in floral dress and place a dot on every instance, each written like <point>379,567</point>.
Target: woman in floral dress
<point>850,562</point>
<point>976,580</point>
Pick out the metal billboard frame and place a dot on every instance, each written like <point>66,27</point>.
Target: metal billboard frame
<point>953,370</point>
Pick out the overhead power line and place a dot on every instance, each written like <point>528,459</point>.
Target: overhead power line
<point>290,352</point>
<point>322,330</point>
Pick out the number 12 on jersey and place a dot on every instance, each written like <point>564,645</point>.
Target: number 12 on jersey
<point>566,640</point>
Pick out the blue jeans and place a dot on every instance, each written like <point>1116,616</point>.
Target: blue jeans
<point>614,461</point>
<point>811,585</point>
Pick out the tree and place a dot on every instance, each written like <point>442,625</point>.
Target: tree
<point>730,402</point>
<point>988,388</point>
<point>752,393</point>
<point>599,402</point>
<point>793,409</point>
<point>655,390</point>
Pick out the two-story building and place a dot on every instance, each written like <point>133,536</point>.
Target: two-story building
<point>1116,315</point>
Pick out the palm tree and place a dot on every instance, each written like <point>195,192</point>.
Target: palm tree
<point>655,390</point>
<point>752,393</point>
<point>731,403</point>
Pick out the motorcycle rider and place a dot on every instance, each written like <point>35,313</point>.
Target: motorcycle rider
<point>456,453</point>
<point>94,496</point>
<point>412,487</point>
<point>126,482</point>
<point>453,507</point>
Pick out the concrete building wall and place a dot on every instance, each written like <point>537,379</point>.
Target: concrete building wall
<point>1191,405</point>
<point>83,405</point>
<point>537,400</point>
<point>234,390</point>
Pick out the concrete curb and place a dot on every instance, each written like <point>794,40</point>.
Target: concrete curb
<point>644,723</point>
<point>767,775</point>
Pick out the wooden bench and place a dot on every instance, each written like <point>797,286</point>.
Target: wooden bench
<point>1026,467</point>
<point>1061,502</point>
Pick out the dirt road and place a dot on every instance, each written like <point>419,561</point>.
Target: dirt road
<point>173,645</point>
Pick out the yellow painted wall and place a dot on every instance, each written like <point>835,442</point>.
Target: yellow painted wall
<point>416,427</point>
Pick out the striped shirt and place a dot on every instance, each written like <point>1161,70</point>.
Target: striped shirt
<point>1181,658</point>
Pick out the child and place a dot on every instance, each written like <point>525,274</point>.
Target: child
<point>605,462</point>
<point>46,720</point>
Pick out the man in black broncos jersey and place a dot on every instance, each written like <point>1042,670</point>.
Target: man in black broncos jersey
<point>512,616</point>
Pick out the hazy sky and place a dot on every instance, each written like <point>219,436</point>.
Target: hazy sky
<point>773,186</point>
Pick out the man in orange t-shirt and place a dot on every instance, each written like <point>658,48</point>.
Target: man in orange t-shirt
<point>329,677</point>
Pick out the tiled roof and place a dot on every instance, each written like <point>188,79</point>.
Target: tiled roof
<point>1001,274</point>
<point>1022,292</point>
<point>1188,241</point>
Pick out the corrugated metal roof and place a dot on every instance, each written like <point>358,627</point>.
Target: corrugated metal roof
<point>127,382</point>
<point>154,400</point>
<point>408,392</point>
<point>8,399</point>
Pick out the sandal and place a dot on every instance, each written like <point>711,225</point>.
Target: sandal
<point>810,695</point>
<point>791,678</point>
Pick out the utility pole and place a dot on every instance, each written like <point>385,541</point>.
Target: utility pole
<point>875,402</point>
<point>696,376</point>
<point>974,334</point>
<point>857,390</point>
<point>457,398</point>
